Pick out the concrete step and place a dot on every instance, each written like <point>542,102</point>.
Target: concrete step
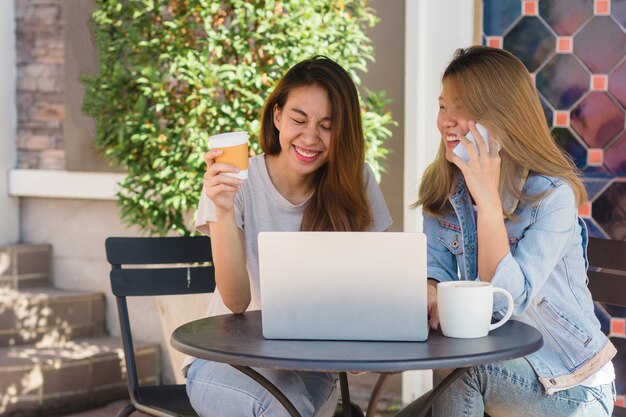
<point>70,376</point>
<point>25,266</point>
<point>49,315</point>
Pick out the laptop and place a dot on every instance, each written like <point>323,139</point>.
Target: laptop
<point>343,285</point>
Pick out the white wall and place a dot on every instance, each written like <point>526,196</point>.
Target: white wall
<point>434,29</point>
<point>9,206</point>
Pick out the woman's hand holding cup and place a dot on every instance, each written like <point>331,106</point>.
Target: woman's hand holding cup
<point>226,168</point>
<point>221,189</point>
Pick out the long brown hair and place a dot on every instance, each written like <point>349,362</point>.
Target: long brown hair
<point>495,88</point>
<point>340,200</point>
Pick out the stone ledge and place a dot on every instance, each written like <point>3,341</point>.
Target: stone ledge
<point>49,316</point>
<point>64,184</point>
<point>77,375</point>
<point>25,265</point>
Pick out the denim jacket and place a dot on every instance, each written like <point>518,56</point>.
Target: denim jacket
<point>545,272</point>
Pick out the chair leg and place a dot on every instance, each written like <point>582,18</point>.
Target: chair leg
<point>345,394</point>
<point>372,406</point>
<point>127,410</point>
<point>355,410</point>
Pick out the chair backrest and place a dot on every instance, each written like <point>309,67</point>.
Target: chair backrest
<point>607,278</point>
<point>152,266</point>
<point>607,270</point>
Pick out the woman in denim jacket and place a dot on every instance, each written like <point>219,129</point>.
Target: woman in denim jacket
<point>508,215</point>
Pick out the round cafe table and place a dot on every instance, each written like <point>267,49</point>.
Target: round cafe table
<point>238,340</point>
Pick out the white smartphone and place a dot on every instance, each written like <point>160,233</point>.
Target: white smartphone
<point>461,151</point>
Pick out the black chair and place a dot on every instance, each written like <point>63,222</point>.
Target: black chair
<point>607,271</point>
<point>159,266</point>
<point>164,266</point>
<point>607,278</point>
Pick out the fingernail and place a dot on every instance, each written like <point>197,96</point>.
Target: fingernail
<point>219,151</point>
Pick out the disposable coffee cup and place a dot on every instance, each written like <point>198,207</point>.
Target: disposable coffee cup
<point>465,308</point>
<point>235,151</point>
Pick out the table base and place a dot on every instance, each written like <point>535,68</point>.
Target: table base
<point>282,398</point>
<point>418,408</point>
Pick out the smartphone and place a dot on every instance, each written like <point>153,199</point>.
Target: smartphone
<point>461,151</point>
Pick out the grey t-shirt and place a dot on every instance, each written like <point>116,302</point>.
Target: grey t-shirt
<point>260,207</point>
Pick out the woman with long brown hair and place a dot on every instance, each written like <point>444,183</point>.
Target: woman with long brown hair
<point>507,214</point>
<point>311,177</point>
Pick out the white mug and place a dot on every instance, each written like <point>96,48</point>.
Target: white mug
<point>465,308</point>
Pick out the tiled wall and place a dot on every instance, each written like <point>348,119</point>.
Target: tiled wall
<point>576,51</point>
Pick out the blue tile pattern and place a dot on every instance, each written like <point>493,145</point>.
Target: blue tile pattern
<point>601,44</point>
<point>609,210</point>
<point>531,42</point>
<point>618,11</point>
<point>563,81</point>
<point>617,83</point>
<point>568,141</point>
<point>565,16</point>
<point>499,15</point>
<point>595,186</point>
<point>615,156</point>
<point>597,119</point>
<point>547,110</point>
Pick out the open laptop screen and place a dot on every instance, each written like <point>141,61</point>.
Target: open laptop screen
<point>343,285</point>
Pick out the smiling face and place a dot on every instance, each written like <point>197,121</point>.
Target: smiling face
<point>452,119</point>
<point>305,129</point>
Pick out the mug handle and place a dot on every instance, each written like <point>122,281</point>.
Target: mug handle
<point>509,311</point>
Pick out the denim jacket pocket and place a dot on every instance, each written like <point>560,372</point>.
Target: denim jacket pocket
<point>551,312</point>
<point>449,235</point>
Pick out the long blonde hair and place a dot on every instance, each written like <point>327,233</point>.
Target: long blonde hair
<point>495,88</point>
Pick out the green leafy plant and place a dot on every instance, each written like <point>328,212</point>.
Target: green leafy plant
<point>173,72</point>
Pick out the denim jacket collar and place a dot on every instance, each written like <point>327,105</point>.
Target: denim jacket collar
<point>461,202</point>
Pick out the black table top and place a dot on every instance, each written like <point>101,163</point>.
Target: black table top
<point>238,340</point>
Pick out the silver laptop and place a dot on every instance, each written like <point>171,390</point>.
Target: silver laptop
<point>343,285</point>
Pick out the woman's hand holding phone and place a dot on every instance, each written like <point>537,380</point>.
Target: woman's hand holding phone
<point>461,150</point>
<point>481,169</point>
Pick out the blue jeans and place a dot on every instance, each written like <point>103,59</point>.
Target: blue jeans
<point>217,389</point>
<point>512,389</point>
